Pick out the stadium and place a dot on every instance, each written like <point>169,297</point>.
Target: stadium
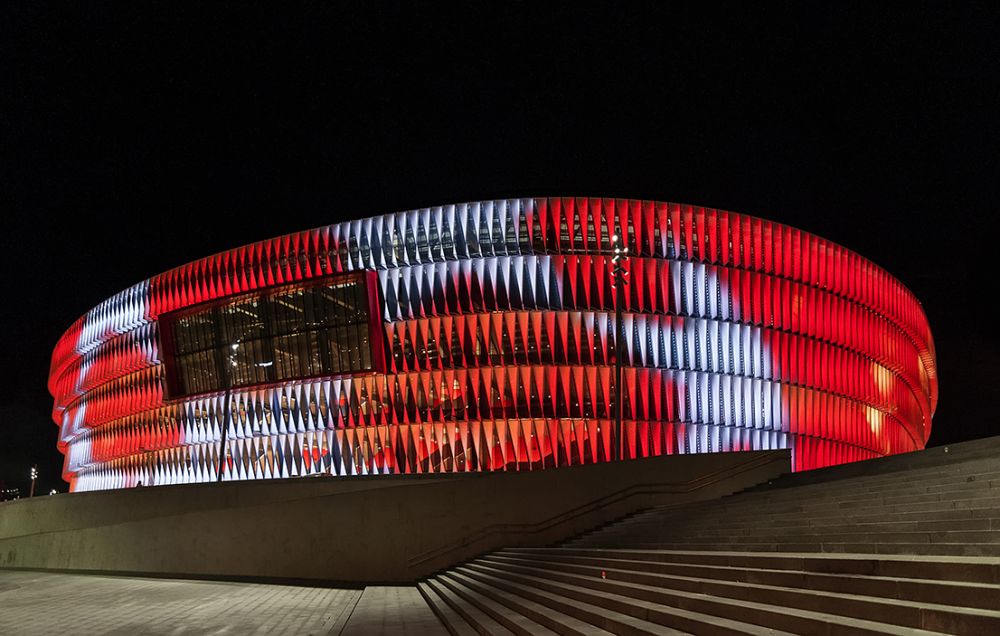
<point>484,337</point>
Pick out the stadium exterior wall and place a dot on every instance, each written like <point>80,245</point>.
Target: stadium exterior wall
<point>481,337</point>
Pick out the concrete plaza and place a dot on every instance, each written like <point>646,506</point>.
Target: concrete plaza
<point>42,603</point>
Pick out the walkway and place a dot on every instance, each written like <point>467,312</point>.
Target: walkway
<point>42,603</point>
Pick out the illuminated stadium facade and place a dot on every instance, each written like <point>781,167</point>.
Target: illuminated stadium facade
<point>481,337</point>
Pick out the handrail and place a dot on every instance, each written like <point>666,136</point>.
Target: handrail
<point>625,493</point>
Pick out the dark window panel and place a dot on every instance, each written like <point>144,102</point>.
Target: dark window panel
<point>286,334</point>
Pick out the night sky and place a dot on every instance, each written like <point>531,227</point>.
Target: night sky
<point>140,136</point>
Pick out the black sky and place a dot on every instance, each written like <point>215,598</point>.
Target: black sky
<point>139,136</point>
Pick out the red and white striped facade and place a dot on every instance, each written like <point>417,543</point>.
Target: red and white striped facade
<point>495,350</point>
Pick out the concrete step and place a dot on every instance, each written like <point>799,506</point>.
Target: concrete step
<point>924,590</point>
<point>746,504</point>
<point>956,520</point>
<point>851,535</point>
<point>796,483</point>
<point>616,594</point>
<point>452,620</point>
<point>677,522</point>
<point>983,470</point>
<point>968,569</point>
<point>753,528</point>
<point>631,615</point>
<point>864,516</point>
<point>965,495</point>
<point>967,452</point>
<point>918,549</point>
<point>862,491</point>
<point>479,620</point>
<point>595,619</point>
<point>816,502</point>
<point>958,504</point>
<point>559,622</point>
<point>756,544</point>
<point>931,502</point>
<point>845,600</point>
<point>668,531</point>
<point>865,494</point>
<point>510,619</point>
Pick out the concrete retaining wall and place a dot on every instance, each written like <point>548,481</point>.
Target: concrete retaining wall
<point>389,529</point>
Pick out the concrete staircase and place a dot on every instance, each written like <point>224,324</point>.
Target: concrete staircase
<point>903,545</point>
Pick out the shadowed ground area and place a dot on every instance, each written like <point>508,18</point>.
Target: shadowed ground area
<point>50,603</point>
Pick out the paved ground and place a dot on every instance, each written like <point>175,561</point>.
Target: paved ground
<point>393,610</point>
<point>37,603</point>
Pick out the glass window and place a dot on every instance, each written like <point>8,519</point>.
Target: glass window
<point>283,334</point>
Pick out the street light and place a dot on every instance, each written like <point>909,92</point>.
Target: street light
<point>34,476</point>
<point>620,272</point>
